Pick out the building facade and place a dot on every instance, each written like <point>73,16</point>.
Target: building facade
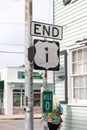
<point>12,90</point>
<point>71,79</point>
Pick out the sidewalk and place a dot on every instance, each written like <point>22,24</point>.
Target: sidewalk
<point>18,117</point>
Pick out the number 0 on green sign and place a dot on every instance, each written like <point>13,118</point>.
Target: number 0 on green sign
<point>47,101</point>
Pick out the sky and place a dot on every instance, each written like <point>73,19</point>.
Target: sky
<point>12,28</point>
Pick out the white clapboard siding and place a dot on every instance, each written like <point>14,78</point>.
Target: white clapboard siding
<point>69,13</point>
<point>75,118</point>
<point>73,18</point>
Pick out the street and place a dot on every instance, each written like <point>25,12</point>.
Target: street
<point>19,125</point>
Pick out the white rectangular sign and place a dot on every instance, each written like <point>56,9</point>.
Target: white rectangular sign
<point>46,30</point>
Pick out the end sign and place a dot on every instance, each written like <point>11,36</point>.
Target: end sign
<point>47,101</point>
<point>46,30</point>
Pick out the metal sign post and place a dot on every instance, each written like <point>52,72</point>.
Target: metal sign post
<point>45,88</point>
<point>28,68</point>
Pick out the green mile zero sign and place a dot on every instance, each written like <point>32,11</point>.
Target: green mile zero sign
<point>47,101</point>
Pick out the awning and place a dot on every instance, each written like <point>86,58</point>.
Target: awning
<point>22,85</point>
<point>16,85</point>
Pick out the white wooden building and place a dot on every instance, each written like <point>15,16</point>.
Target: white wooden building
<point>12,89</point>
<point>71,80</point>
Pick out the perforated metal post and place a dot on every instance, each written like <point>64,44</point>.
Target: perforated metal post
<point>45,88</point>
<point>28,68</point>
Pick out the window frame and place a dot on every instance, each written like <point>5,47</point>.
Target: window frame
<point>20,74</point>
<point>21,94</point>
<point>66,85</point>
<point>65,101</point>
<point>83,73</point>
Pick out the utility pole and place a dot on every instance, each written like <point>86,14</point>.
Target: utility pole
<point>28,68</point>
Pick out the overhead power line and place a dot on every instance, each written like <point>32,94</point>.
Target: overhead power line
<point>7,44</point>
<point>11,23</point>
<point>12,52</point>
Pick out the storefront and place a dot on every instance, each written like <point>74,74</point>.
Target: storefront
<point>12,90</point>
<point>20,101</point>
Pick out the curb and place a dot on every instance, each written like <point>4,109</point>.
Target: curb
<point>11,118</point>
<point>18,118</point>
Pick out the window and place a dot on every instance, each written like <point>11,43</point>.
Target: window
<point>21,75</point>
<point>18,98</point>
<point>1,92</point>
<point>36,98</point>
<point>1,98</point>
<point>78,74</point>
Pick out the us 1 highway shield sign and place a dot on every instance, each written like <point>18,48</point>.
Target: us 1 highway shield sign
<point>46,55</point>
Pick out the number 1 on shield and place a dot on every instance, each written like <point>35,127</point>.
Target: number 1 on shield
<point>46,54</point>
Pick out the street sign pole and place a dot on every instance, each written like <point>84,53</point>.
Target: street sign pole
<point>28,68</point>
<point>45,88</point>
